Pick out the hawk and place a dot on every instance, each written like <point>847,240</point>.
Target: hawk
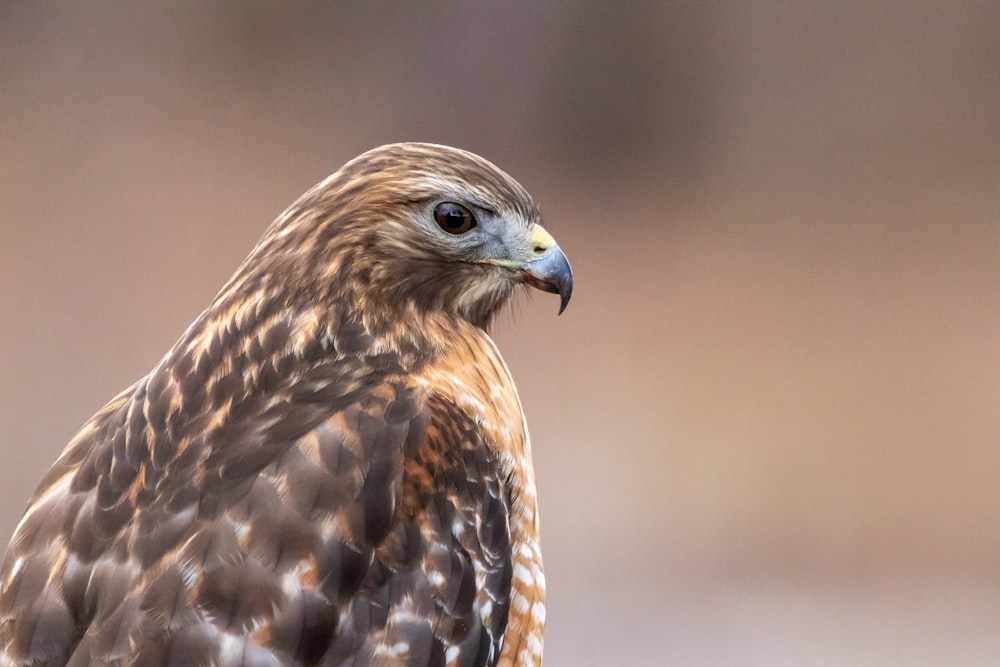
<point>330,467</point>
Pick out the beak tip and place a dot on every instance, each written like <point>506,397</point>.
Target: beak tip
<point>564,299</point>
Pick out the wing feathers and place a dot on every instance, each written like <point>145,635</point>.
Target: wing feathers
<point>45,629</point>
<point>382,532</point>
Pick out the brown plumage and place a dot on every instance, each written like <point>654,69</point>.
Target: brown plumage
<point>330,466</point>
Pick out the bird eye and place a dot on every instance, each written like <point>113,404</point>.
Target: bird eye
<point>454,218</point>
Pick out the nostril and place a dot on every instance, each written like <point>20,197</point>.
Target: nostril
<point>538,250</point>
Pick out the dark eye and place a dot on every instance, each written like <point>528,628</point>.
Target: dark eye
<point>454,218</point>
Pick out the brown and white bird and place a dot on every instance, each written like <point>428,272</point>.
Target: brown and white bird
<point>330,467</point>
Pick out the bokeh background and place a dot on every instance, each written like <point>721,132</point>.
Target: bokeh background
<point>766,429</point>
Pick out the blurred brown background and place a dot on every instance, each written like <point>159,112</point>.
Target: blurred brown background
<point>766,429</point>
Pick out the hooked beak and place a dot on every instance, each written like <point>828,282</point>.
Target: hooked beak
<point>551,273</point>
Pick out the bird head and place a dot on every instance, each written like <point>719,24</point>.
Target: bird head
<point>418,228</point>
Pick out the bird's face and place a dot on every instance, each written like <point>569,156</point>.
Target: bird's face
<point>485,246</point>
<point>455,233</point>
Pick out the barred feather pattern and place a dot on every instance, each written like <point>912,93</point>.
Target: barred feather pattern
<point>330,467</point>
